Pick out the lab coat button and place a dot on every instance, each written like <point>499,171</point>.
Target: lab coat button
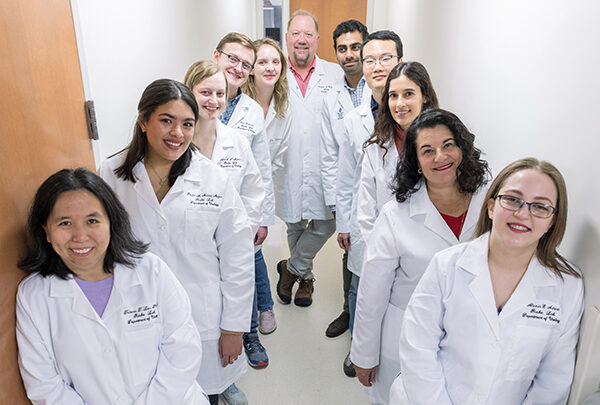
<point>163,227</point>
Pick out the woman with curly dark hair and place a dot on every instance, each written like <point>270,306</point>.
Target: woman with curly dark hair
<point>439,187</point>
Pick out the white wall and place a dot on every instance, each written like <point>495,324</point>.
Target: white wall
<point>126,44</point>
<point>524,77</point>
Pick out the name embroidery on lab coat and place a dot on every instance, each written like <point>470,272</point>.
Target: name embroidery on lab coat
<point>141,314</point>
<point>204,199</point>
<point>542,313</point>
<point>324,88</point>
<point>247,127</point>
<point>230,163</point>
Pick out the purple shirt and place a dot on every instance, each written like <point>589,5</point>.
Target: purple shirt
<point>97,292</point>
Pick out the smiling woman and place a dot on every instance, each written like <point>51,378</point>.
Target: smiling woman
<point>505,301</point>
<point>440,184</point>
<point>82,248</point>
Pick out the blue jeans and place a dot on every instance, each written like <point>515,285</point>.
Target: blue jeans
<point>262,291</point>
<point>352,299</point>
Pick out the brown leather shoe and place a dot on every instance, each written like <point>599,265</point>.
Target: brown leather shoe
<point>285,283</point>
<point>303,296</point>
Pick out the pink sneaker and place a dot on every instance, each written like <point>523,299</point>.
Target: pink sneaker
<point>266,322</point>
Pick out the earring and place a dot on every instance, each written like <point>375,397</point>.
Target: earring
<point>420,171</point>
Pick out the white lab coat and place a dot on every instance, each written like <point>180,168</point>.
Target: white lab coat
<point>358,127</point>
<point>301,186</point>
<point>278,135</point>
<point>232,153</point>
<point>456,349</point>
<point>375,184</point>
<point>70,355</point>
<point>337,104</point>
<point>248,118</point>
<point>202,231</point>
<point>404,239</point>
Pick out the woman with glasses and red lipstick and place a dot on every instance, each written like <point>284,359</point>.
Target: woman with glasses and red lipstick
<point>497,319</point>
<point>439,187</point>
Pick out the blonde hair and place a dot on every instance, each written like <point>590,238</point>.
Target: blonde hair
<point>280,91</point>
<point>202,70</point>
<point>306,13</point>
<point>546,249</point>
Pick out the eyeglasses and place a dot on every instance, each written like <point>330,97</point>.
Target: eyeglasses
<point>385,61</point>
<point>536,209</point>
<point>234,61</point>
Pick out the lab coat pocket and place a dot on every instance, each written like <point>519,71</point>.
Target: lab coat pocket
<point>144,349</point>
<point>526,350</point>
<point>213,306</point>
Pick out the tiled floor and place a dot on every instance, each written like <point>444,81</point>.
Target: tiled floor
<point>305,366</point>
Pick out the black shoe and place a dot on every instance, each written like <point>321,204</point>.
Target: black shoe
<point>349,367</point>
<point>338,326</point>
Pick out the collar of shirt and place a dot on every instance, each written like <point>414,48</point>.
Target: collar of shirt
<point>231,104</point>
<point>302,82</point>
<point>356,94</point>
<point>374,108</point>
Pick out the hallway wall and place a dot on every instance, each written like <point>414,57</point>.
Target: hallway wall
<point>125,45</point>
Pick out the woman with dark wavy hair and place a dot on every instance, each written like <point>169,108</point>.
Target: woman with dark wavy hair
<point>439,188</point>
<point>100,320</point>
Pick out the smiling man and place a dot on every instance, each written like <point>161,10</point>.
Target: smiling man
<point>309,221</point>
<point>348,37</point>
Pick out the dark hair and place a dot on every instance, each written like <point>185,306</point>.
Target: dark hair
<point>349,26</point>
<point>385,124</point>
<point>41,258</point>
<point>546,249</point>
<point>157,93</point>
<point>384,35</point>
<point>472,172</point>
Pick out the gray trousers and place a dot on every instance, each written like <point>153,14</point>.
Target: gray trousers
<point>305,239</point>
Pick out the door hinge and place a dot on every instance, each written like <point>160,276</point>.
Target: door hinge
<point>90,117</point>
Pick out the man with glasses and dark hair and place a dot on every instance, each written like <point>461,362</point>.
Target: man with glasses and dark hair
<point>236,54</point>
<point>309,221</point>
<point>380,53</point>
<point>348,37</point>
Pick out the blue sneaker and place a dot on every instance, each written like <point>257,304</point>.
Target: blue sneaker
<point>233,396</point>
<point>255,352</point>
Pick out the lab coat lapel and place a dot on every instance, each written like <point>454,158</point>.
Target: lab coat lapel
<point>315,79</point>
<point>143,188</point>
<point>270,114</point>
<point>420,204</point>
<point>68,288</point>
<point>366,118</point>
<point>124,279</point>
<point>240,111</point>
<point>293,85</point>
<point>474,261</point>
<point>535,276</point>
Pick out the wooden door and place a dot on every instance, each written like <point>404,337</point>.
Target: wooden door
<point>42,129</point>
<point>330,14</point>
